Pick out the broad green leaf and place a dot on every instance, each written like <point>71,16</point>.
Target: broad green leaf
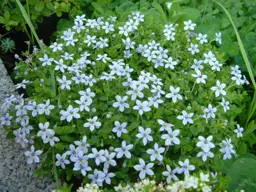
<point>2,20</point>
<point>7,15</point>
<point>98,8</point>
<point>159,8</point>
<point>190,13</point>
<point>242,174</point>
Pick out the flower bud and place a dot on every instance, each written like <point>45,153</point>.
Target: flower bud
<point>108,115</point>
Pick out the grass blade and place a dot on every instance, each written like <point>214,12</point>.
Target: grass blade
<point>252,106</point>
<point>55,170</point>
<point>27,19</point>
<point>241,46</point>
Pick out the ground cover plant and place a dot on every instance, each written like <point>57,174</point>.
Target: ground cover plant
<point>120,100</point>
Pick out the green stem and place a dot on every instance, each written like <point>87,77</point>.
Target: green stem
<point>231,85</point>
<point>252,108</point>
<point>27,33</point>
<point>53,82</point>
<point>204,11</point>
<point>193,87</point>
<point>167,148</point>
<point>55,170</point>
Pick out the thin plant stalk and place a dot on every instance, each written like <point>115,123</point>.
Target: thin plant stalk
<point>252,106</point>
<point>55,173</point>
<point>27,19</point>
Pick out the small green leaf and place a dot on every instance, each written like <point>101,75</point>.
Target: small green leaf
<point>49,5</point>
<point>60,146</point>
<point>13,23</point>
<point>39,6</point>
<point>59,13</point>
<point>64,130</point>
<point>67,138</point>
<point>120,174</point>
<point>2,20</point>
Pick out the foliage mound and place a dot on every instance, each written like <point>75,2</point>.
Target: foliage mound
<point>119,100</point>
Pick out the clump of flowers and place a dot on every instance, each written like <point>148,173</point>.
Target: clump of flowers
<point>116,101</point>
<point>202,182</point>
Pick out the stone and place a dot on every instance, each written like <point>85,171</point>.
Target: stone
<point>15,174</point>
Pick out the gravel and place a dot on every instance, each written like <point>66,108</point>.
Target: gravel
<point>15,174</point>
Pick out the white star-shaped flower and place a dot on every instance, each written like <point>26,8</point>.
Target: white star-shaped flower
<point>205,143</point>
<point>174,94</point>
<point>144,134</point>
<point>119,128</point>
<point>93,123</point>
<point>170,174</point>
<point>142,107</point>
<point>185,167</point>
<point>186,117</point>
<point>124,150</point>
<point>144,169</point>
<point>121,104</point>
<point>189,25</point>
<point>155,154</point>
<point>219,89</point>
<point>171,137</point>
<point>200,78</point>
<point>239,131</point>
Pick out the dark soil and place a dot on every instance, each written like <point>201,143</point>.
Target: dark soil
<point>45,31</point>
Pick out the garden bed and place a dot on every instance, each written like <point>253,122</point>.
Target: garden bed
<point>141,94</point>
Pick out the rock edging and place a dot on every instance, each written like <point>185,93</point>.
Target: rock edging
<point>15,174</point>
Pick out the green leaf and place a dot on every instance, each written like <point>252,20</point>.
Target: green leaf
<point>133,125</point>
<point>120,174</point>
<point>67,138</point>
<point>49,5</point>
<point>106,129</point>
<point>39,6</point>
<point>64,130</point>
<point>59,13</point>
<point>98,8</point>
<point>7,15</point>
<point>63,24</point>
<point>243,175</point>
<point>190,13</point>
<point>2,20</point>
<point>60,146</point>
<point>159,8</point>
<point>13,23</point>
